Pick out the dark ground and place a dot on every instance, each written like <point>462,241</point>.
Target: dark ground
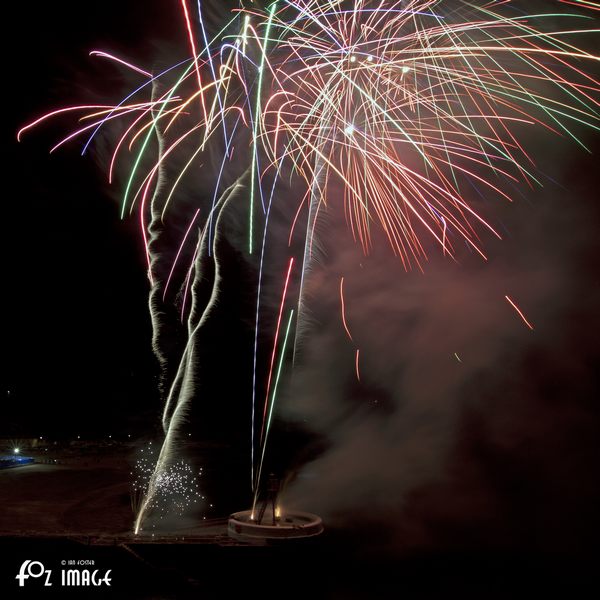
<point>82,511</point>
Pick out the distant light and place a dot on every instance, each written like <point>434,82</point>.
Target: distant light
<point>353,58</point>
<point>350,129</point>
<point>17,450</point>
<point>405,69</point>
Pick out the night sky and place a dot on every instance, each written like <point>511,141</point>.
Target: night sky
<point>498,446</point>
<point>76,328</point>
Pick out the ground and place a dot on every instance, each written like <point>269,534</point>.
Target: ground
<point>50,499</point>
<point>82,511</point>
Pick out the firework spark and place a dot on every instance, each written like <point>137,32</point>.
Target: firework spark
<point>519,312</point>
<point>343,304</point>
<point>176,488</point>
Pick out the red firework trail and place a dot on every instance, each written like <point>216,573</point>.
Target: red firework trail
<point>519,312</point>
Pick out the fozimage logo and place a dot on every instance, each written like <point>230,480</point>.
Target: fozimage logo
<point>71,577</point>
<point>35,569</point>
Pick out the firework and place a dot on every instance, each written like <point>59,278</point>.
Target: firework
<point>404,104</point>
<point>394,114</point>
<point>176,489</point>
<point>519,312</point>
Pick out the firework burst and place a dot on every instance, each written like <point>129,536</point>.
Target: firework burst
<point>407,103</point>
<point>396,114</point>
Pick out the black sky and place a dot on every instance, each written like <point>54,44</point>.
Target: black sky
<point>76,331</point>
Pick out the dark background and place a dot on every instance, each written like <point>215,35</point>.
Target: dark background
<point>75,327</point>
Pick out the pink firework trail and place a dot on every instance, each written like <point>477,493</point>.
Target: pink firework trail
<point>519,312</point>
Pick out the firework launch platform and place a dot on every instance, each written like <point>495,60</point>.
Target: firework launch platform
<point>292,525</point>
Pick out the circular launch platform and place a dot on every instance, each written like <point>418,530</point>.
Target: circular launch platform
<point>291,525</point>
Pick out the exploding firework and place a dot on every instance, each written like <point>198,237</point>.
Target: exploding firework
<point>407,103</point>
<point>176,489</point>
<point>395,115</point>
